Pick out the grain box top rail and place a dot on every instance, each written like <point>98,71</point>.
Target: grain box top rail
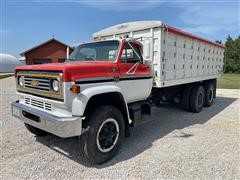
<point>141,25</point>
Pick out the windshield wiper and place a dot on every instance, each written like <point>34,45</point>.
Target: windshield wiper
<point>70,59</point>
<point>90,58</point>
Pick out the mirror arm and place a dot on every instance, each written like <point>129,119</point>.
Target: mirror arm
<point>139,56</point>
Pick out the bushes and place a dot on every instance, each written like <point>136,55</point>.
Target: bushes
<point>232,55</point>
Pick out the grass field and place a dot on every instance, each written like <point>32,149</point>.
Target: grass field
<point>5,75</point>
<point>229,81</point>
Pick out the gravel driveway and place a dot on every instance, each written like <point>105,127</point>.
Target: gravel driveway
<point>174,145</point>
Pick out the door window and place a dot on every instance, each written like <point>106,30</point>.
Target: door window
<point>131,53</point>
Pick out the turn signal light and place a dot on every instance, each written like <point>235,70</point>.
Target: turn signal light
<point>75,89</point>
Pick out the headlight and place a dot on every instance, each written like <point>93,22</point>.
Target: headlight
<point>55,85</point>
<point>21,80</point>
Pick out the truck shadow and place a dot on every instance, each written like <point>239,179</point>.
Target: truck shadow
<point>166,120</point>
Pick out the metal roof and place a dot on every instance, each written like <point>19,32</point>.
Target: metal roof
<point>46,42</point>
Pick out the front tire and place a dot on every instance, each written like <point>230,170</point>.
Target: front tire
<point>104,136</point>
<point>36,131</point>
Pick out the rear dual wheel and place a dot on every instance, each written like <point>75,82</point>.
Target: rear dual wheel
<point>193,98</point>
<point>197,99</point>
<point>209,94</point>
<point>185,101</point>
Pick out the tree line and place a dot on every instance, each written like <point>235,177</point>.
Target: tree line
<point>232,55</point>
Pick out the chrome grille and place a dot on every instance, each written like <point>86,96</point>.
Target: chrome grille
<point>43,83</point>
<point>39,104</point>
<point>39,83</point>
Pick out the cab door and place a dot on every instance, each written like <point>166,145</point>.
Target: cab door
<point>135,77</point>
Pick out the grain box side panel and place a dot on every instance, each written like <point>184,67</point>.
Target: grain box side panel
<point>185,59</point>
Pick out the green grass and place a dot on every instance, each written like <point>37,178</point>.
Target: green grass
<point>2,76</point>
<point>229,81</point>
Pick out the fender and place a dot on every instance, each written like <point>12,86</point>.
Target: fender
<point>80,102</point>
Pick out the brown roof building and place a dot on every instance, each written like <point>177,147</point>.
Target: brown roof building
<point>50,51</point>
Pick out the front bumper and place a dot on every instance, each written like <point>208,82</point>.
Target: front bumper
<point>60,126</point>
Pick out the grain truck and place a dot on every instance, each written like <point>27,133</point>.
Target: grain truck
<point>111,84</point>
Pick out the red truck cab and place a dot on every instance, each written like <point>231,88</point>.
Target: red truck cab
<point>88,95</point>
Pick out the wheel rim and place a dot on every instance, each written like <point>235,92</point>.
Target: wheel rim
<point>210,95</point>
<point>200,99</point>
<point>107,135</point>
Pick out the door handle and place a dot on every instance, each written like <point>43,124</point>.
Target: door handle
<point>114,69</point>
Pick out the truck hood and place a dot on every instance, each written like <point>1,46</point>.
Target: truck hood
<point>74,70</point>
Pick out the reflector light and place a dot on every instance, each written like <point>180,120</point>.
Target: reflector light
<point>75,89</point>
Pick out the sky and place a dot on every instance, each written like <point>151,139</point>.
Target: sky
<point>27,23</point>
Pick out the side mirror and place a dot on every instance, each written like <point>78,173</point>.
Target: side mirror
<point>147,62</point>
<point>146,49</point>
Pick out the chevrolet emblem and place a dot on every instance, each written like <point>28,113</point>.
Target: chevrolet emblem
<point>34,83</point>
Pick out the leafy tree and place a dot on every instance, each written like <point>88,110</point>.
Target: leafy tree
<point>232,55</point>
<point>219,41</point>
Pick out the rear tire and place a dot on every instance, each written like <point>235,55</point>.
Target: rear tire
<point>197,98</point>
<point>104,136</point>
<point>209,94</point>
<point>185,101</point>
<point>36,131</point>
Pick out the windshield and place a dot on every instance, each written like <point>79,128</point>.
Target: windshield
<point>96,51</point>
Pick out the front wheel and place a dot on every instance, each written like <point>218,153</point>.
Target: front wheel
<point>104,135</point>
